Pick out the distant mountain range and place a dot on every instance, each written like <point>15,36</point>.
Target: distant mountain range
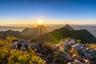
<point>42,32</point>
<point>27,33</point>
<point>33,33</point>
<point>51,27</point>
<point>91,28</point>
<point>14,28</point>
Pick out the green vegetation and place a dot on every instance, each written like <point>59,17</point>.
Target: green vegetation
<point>11,56</point>
<point>67,32</point>
<point>40,33</point>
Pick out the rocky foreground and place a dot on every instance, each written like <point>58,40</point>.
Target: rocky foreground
<point>68,51</point>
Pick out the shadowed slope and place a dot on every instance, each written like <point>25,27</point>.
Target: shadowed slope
<point>67,31</point>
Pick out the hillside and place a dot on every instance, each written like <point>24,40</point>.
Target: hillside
<point>41,33</point>
<point>67,31</point>
<point>8,55</point>
<point>33,33</point>
<point>27,33</point>
<point>19,50</point>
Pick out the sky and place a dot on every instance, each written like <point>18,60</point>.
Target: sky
<point>49,11</point>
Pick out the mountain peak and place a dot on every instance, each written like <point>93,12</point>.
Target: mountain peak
<point>68,27</point>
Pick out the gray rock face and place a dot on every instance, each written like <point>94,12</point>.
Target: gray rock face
<point>68,51</point>
<point>20,44</point>
<point>81,51</point>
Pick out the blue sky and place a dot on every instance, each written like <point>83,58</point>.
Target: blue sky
<point>71,10</point>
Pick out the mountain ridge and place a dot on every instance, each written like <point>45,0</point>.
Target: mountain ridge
<point>40,33</point>
<point>67,31</point>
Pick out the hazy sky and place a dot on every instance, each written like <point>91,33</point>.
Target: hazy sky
<point>50,11</point>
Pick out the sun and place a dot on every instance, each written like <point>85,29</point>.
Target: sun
<point>40,22</point>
